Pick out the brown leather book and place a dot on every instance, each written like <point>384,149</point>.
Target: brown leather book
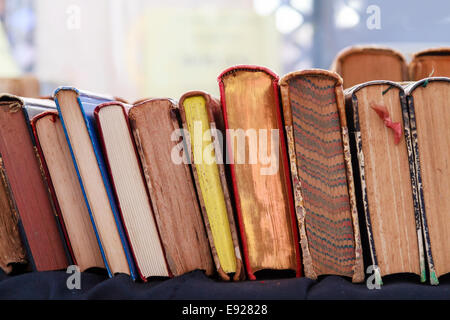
<point>12,251</point>
<point>428,102</point>
<point>360,64</point>
<point>65,189</point>
<point>23,169</point>
<point>434,62</point>
<point>154,124</point>
<point>26,86</point>
<point>319,152</point>
<point>386,184</point>
<point>197,115</point>
<point>259,167</point>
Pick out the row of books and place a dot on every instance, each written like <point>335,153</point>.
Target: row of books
<point>292,174</point>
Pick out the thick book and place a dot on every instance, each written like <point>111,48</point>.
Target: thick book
<point>386,184</point>
<point>38,220</point>
<point>76,111</point>
<point>205,144</point>
<point>257,153</point>
<point>12,250</point>
<point>428,102</point>
<point>433,62</point>
<point>322,175</point>
<point>64,187</point>
<point>359,64</point>
<point>130,191</point>
<point>157,133</point>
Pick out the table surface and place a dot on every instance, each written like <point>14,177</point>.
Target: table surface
<point>195,285</point>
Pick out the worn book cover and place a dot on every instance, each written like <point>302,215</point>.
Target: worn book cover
<point>207,162</point>
<point>156,129</point>
<point>12,250</point>
<point>386,183</point>
<point>433,62</point>
<point>259,167</point>
<point>427,102</point>
<point>21,164</point>
<point>359,64</point>
<point>319,152</point>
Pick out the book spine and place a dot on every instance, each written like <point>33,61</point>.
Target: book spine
<point>353,119</point>
<point>91,128</point>
<point>358,267</point>
<point>421,218</point>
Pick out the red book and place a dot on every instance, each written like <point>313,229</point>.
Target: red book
<point>22,166</point>
<point>261,179</point>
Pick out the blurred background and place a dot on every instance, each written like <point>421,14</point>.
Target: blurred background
<point>162,48</point>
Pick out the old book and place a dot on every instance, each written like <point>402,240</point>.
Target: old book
<point>260,169</point>
<point>65,189</point>
<point>26,86</point>
<point>360,64</point>
<point>155,124</point>
<point>130,191</point>
<point>76,111</point>
<point>319,152</point>
<point>431,62</point>
<point>38,219</point>
<point>12,251</point>
<point>380,135</point>
<point>205,143</point>
<point>430,131</point>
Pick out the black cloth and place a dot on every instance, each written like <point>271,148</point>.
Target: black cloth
<point>195,285</point>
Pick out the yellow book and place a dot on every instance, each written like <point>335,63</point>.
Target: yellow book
<point>205,155</point>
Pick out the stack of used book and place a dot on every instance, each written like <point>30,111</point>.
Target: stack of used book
<point>317,173</point>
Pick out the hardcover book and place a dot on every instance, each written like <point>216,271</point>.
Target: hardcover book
<point>156,130</point>
<point>430,132</point>
<point>65,189</point>
<point>434,62</point>
<point>360,64</point>
<point>12,251</point>
<point>319,153</point>
<point>205,142</point>
<point>261,179</point>
<point>76,111</point>
<point>380,135</point>
<point>38,221</point>
<point>130,191</point>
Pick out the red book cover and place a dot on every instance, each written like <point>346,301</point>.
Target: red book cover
<point>264,202</point>
<point>24,171</point>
